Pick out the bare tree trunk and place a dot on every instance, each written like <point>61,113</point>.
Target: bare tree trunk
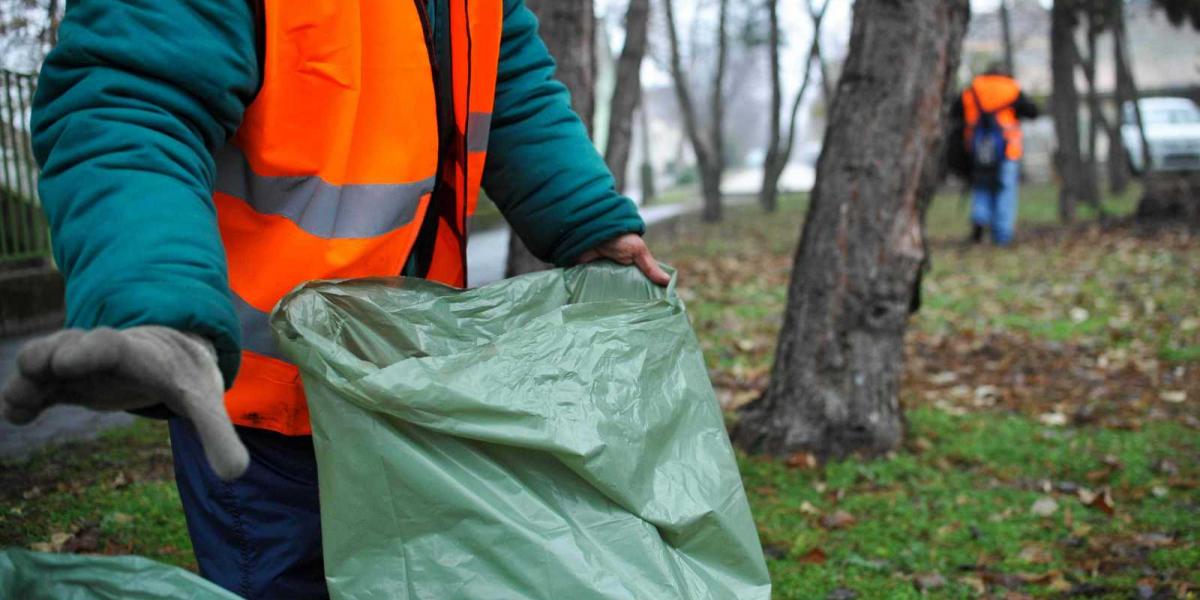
<point>707,143</point>
<point>1127,87</point>
<point>1093,100</point>
<point>627,92</point>
<point>1064,104</point>
<point>1096,118</point>
<point>712,182</point>
<point>834,386</point>
<point>54,16</point>
<point>1006,32</point>
<point>769,190</point>
<point>779,144</point>
<point>569,28</point>
<point>646,177</point>
<point>1118,163</point>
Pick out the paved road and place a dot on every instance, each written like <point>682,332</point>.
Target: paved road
<point>486,255</point>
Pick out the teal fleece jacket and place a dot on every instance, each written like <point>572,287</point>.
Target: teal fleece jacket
<point>139,94</point>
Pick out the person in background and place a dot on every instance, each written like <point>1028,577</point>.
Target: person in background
<point>990,110</point>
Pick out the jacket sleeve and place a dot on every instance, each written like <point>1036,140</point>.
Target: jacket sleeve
<point>542,170</point>
<point>129,109</point>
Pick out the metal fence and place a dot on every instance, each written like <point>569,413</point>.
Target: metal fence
<point>23,231</point>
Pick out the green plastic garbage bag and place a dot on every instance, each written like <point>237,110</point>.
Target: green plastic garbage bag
<point>553,436</point>
<point>29,575</point>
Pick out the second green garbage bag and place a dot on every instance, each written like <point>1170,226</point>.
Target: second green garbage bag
<point>553,436</point>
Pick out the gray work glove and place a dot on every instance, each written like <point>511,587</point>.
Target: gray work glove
<point>139,367</point>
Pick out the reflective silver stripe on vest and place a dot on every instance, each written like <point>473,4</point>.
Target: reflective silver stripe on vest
<point>256,329</point>
<point>318,207</point>
<point>479,125</point>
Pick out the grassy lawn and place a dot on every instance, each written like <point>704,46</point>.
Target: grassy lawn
<point>1053,401</point>
<point>1060,373</point>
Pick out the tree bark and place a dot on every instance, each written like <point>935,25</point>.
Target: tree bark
<point>1064,105</point>
<point>769,190</point>
<point>627,92</point>
<point>1096,118</point>
<point>647,173</point>
<point>52,20</point>
<point>707,143</point>
<point>779,144</point>
<point>1118,163</point>
<point>1127,87</point>
<point>834,385</point>
<point>1006,32</point>
<point>568,27</point>
<point>712,182</point>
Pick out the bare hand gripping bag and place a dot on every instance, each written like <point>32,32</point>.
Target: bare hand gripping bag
<point>553,436</point>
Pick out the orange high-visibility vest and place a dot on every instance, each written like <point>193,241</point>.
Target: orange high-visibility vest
<point>337,163</point>
<point>997,93</point>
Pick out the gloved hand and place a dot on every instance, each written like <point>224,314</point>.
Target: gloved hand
<point>139,367</point>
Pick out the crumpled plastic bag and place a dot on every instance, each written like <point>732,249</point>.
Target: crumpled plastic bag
<point>553,436</point>
<point>29,575</point>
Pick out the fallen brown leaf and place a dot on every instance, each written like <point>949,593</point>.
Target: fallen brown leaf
<point>802,460</point>
<point>838,519</point>
<point>929,581</point>
<point>814,556</point>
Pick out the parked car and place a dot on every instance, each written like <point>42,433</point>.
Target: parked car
<point>1172,133</point>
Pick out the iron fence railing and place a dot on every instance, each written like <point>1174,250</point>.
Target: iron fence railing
<point>23,231</point>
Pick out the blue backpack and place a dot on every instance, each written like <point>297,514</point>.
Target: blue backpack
<point>988,147</point>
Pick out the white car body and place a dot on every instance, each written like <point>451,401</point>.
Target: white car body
<point>1172,133</point>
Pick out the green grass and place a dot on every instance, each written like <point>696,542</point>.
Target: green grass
<point>117,487</point>
<point>961,508</point>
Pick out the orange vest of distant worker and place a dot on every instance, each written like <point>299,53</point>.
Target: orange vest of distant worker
<point>333,170</point>
<point>996,93</point>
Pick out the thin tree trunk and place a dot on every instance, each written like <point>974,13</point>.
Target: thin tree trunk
<point>768,191</point>
<point>1006,32</point>
<point>834,386</point>
<point>828,85</point>
<point>627,92</point>
<point>1118,164</point>
<point>706,143</point>
<point>1093,100</point>
<point>646,176</point>
<point>779,145</point>
<point>1096,118</point>
<point>1126,83</point>
<point>568,27</point>
<point>716,129</point>
<point>1064,104</point>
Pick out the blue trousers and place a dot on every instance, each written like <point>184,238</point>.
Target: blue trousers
<point>258,536</point>
<point>996,208</point>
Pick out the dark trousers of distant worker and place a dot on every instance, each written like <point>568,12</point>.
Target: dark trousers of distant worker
<point>994,207</point>
<point>258,536</point>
